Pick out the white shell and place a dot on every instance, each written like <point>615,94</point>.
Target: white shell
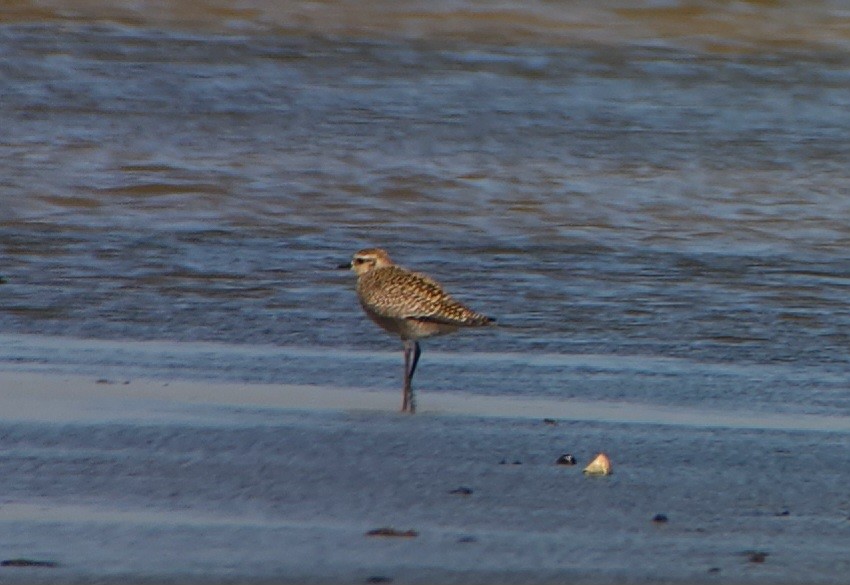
<point>599,466</point>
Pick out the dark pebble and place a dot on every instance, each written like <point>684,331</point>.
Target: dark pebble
<point>392,532</point>
<point>550,421</point>
<point>756,556</point>
<point>466,539</point>
<point>379,579</point>
<point>714,570</point>
<point>517,462</point>
<point>659,518</point>
<point>462,491</point>
<point>784,513</point>
<point>103,381</point>
<point>566,459</point>
<point>27,563</point>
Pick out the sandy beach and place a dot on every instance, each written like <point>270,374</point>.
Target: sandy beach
<point>153,480</point>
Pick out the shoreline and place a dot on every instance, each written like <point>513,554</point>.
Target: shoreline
<point>152,480</point>
<point>60,397</point>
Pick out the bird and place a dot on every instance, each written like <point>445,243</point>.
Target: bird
<point>408,304</point>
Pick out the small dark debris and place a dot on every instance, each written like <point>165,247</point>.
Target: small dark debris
<point>659,518</point>
<point>756,556</point>
<point>714,570</point>
<point>462,491</point>
<point>379,579</point>
<point>386,531</point>
<point>126,382</point>
<point>103,381</point>
<point>517,462</point>
<point>27,563</point>
<point>3,280</point>
<point>784,513</point>
<point>466,539</point>
<point>566,459</point>
<point>504,461</point>
<point>550,421</point>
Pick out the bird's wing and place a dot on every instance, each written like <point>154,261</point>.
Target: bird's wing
<point>401,294</point>
<point>433,305</point>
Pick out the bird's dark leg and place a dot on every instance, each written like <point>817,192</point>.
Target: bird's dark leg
<point>412,352</point>
<point>405,393</point>
<point>417,351</point>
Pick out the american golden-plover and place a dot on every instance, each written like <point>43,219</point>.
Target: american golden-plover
<point>407,304</point>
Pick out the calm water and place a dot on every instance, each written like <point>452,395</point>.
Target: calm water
<point>610,181</point>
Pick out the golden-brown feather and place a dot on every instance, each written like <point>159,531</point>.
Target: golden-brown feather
<point>408,303</point>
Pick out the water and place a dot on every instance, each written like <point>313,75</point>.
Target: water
<point>652,183</point>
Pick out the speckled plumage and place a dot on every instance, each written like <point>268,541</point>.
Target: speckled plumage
<point>416,304</point>
<point>408,304</point>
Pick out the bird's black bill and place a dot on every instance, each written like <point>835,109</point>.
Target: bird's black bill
<point>345,266</point>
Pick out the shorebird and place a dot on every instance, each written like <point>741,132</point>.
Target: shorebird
<point>407,304</point>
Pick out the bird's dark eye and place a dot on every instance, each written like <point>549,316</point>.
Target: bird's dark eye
<point>359,261</point>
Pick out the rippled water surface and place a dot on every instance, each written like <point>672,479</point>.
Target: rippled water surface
<point>665,181</point>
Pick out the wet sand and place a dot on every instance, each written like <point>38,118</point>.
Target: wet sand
<point>186,481</point>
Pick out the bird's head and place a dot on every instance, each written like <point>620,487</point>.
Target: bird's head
<point>367,260</point>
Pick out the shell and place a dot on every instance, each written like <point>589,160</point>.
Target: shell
<point>599,466</point>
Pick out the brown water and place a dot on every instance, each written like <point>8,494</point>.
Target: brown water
<point>613,181</point>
